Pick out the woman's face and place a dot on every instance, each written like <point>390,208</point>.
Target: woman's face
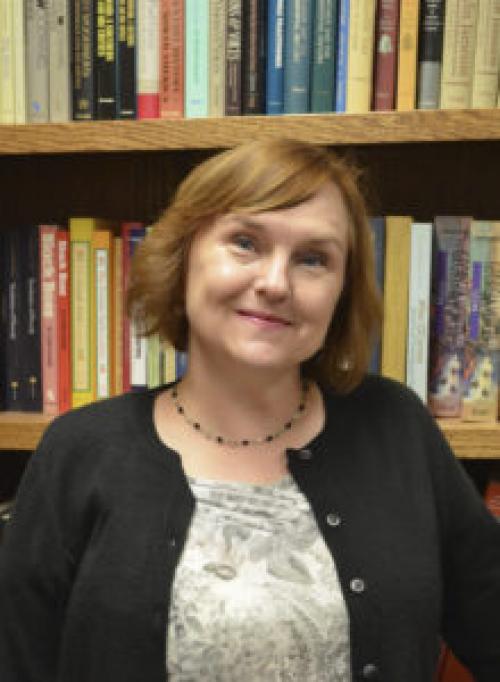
<point>261,289</point>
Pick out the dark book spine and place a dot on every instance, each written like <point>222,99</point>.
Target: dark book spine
<point>31,370</point>
<point>126,106</point>
<point>385,57</point>
<point>13,303</point>
<point>105,59</point>
<point>233,58</point>
<point>253,64</point>
<point>3,318</point>
<point>430,53</point>
<point>83,63</point>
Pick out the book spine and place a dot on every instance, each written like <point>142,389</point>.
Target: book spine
<point>417,359</point>
<point>450,270</point>
<point>407,55</point>
<point>298,45</point>
<point>377,225</point>
<point>4,288</point>
<point>233,58</point>
<point>196,59</point>
<point>118,315</point>
<point>180,364</point>
<point>172,59</point>
<point>13,307</point>
<point>64,321</point>
<point>7,68</point>
<point>105,59</point>
<point>126,235</point>
<point>324,51</point>
<point>360,57</point>
<point>137,343</point>
<point>274,71</point>
<point>31,377</point>
<point>83,66</point>
<point>37,61</point>
<point>168,365</point>
<point>126,105</point>
<point>59,61</point>
<point>102,260</point>
<point>217,58</point>
<point>458,53</point>
<point>480,375</point>
<point>396,284</point>
<point>19,34</point>
<point>148,60</point>
<point>153,352</point>
<point>48,318</point>
<point>342,57</point>
<point>495,296</point>
<point>430,53</point>
<point>487,59</point>
<point>253,57</point>
<point>385,55</point>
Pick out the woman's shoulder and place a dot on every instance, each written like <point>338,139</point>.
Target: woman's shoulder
<point>377,393</point>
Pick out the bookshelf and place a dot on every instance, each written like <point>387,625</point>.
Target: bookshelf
<point>418,162</point>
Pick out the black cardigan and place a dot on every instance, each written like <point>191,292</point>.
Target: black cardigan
<point>102,514</point>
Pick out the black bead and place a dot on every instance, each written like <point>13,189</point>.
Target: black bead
<point>245,442</point>
<point>196,426</point>
<point>180,409</point>
<point>288,426</point>
<point>269,439</point>
<point>219,439</point>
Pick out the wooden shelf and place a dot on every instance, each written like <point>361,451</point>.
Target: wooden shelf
<point>213,133</point>
<point>22,431</point>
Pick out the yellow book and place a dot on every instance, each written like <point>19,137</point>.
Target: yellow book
<point>407,55</point>
<point>396,290</point>
<point>82,310</point>
<point>169,373</point>
<point>118,316</point>
<point>486,60</point>
<point>102,265</point>
<point>459,44</point>
<point>360,56</point>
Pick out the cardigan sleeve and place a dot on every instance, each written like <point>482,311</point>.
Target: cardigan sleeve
<point>470,544</point>
<point>34,581</point>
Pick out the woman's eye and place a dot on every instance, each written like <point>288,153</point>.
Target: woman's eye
<point>244,242</point>
<point>312,259</point>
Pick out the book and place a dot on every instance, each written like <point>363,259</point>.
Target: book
<point>105,59</point>
<point>4,289</point>
<point>64,322</point>
<point>12,304</point>
<point>83,76</point>
<point>325,31</point>
<point>486,59</point>
<point>275,48</point>
<point>480,373</point>
<point>396,286</point>
<point>169,363</point>
<point>495,294</point>
<point>137,347</point>
<point>102,263</point>
<point>417,358</point>
<point>117,291</point>
<point>59,61</point>
<point>377,224</point>
<point>407,55</point>
<point>19,32</point>
<point>458,53</point>
<point>430,53</point>
<point>171,28</point>
<point>360,56</point>
<point>450,269</point>
<point>385,55</point>
<point>148,59</point>
<point>37,61</point>
<point>233,58</point>
<point>342,56</point>
<point>126,105</point>
<point>196,58</point>
<point>297,56</point>
<point>7,63</point>
<point>130,231</point>
<point>49,318</point>
<point>253,56</point>
<point>154,361</point>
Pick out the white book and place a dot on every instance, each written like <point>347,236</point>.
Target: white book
<point>19,62</point>
<point>7,91</point>
<point>217,58</point>
<point>196,59</point>
<point>103,321</point>
<point>487,56</point>
<point>59,62</point>
<point>417,358</point>
<point>459,44</point>
<point>148,58</point>
<point>37,61</point>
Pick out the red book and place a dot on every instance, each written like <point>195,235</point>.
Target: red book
<point>171,58</point>
<point>48,318</point>
<point>385,57</point>
<point>63,317</point>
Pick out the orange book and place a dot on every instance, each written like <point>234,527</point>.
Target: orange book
<point>407,55</point>
<point>171,50</point>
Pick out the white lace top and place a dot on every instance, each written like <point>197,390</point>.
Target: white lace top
<point>256,595</point>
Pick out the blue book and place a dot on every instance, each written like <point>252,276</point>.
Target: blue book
<point>275,54</point>
<point>180,364</point>
<point>342,56</point>
<point>324,53</point>
<point>378,231</point>
<point>196,58</point>
<point>30,340</point>
<point>298,48</point>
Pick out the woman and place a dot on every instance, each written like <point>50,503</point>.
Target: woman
<point>277,514</point>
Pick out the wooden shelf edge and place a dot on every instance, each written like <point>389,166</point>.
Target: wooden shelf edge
<point>213,133</point>
<point>22,431</point>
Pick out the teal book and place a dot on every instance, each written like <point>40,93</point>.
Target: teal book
<point>298,49</point>
<point>324,53</point>
<point>196,58</point>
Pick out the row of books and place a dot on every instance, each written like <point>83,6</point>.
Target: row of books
<point>65,340</point>
<point>441,328</point>
<point>126,59</point>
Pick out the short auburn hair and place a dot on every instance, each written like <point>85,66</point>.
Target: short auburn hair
<point>262,175</point>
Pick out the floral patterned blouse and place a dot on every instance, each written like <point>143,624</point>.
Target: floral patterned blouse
<point>256,595</point>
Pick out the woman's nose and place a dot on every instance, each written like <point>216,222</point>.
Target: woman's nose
<point>273,279</point>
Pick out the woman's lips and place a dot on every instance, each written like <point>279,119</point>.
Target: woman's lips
<point>263,318</point>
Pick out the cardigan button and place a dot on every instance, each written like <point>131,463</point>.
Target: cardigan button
<point>357,585</point>
<point>333,519</point>
<point>304,454</point>
<point>172,542</point>
<point>370,672</point>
